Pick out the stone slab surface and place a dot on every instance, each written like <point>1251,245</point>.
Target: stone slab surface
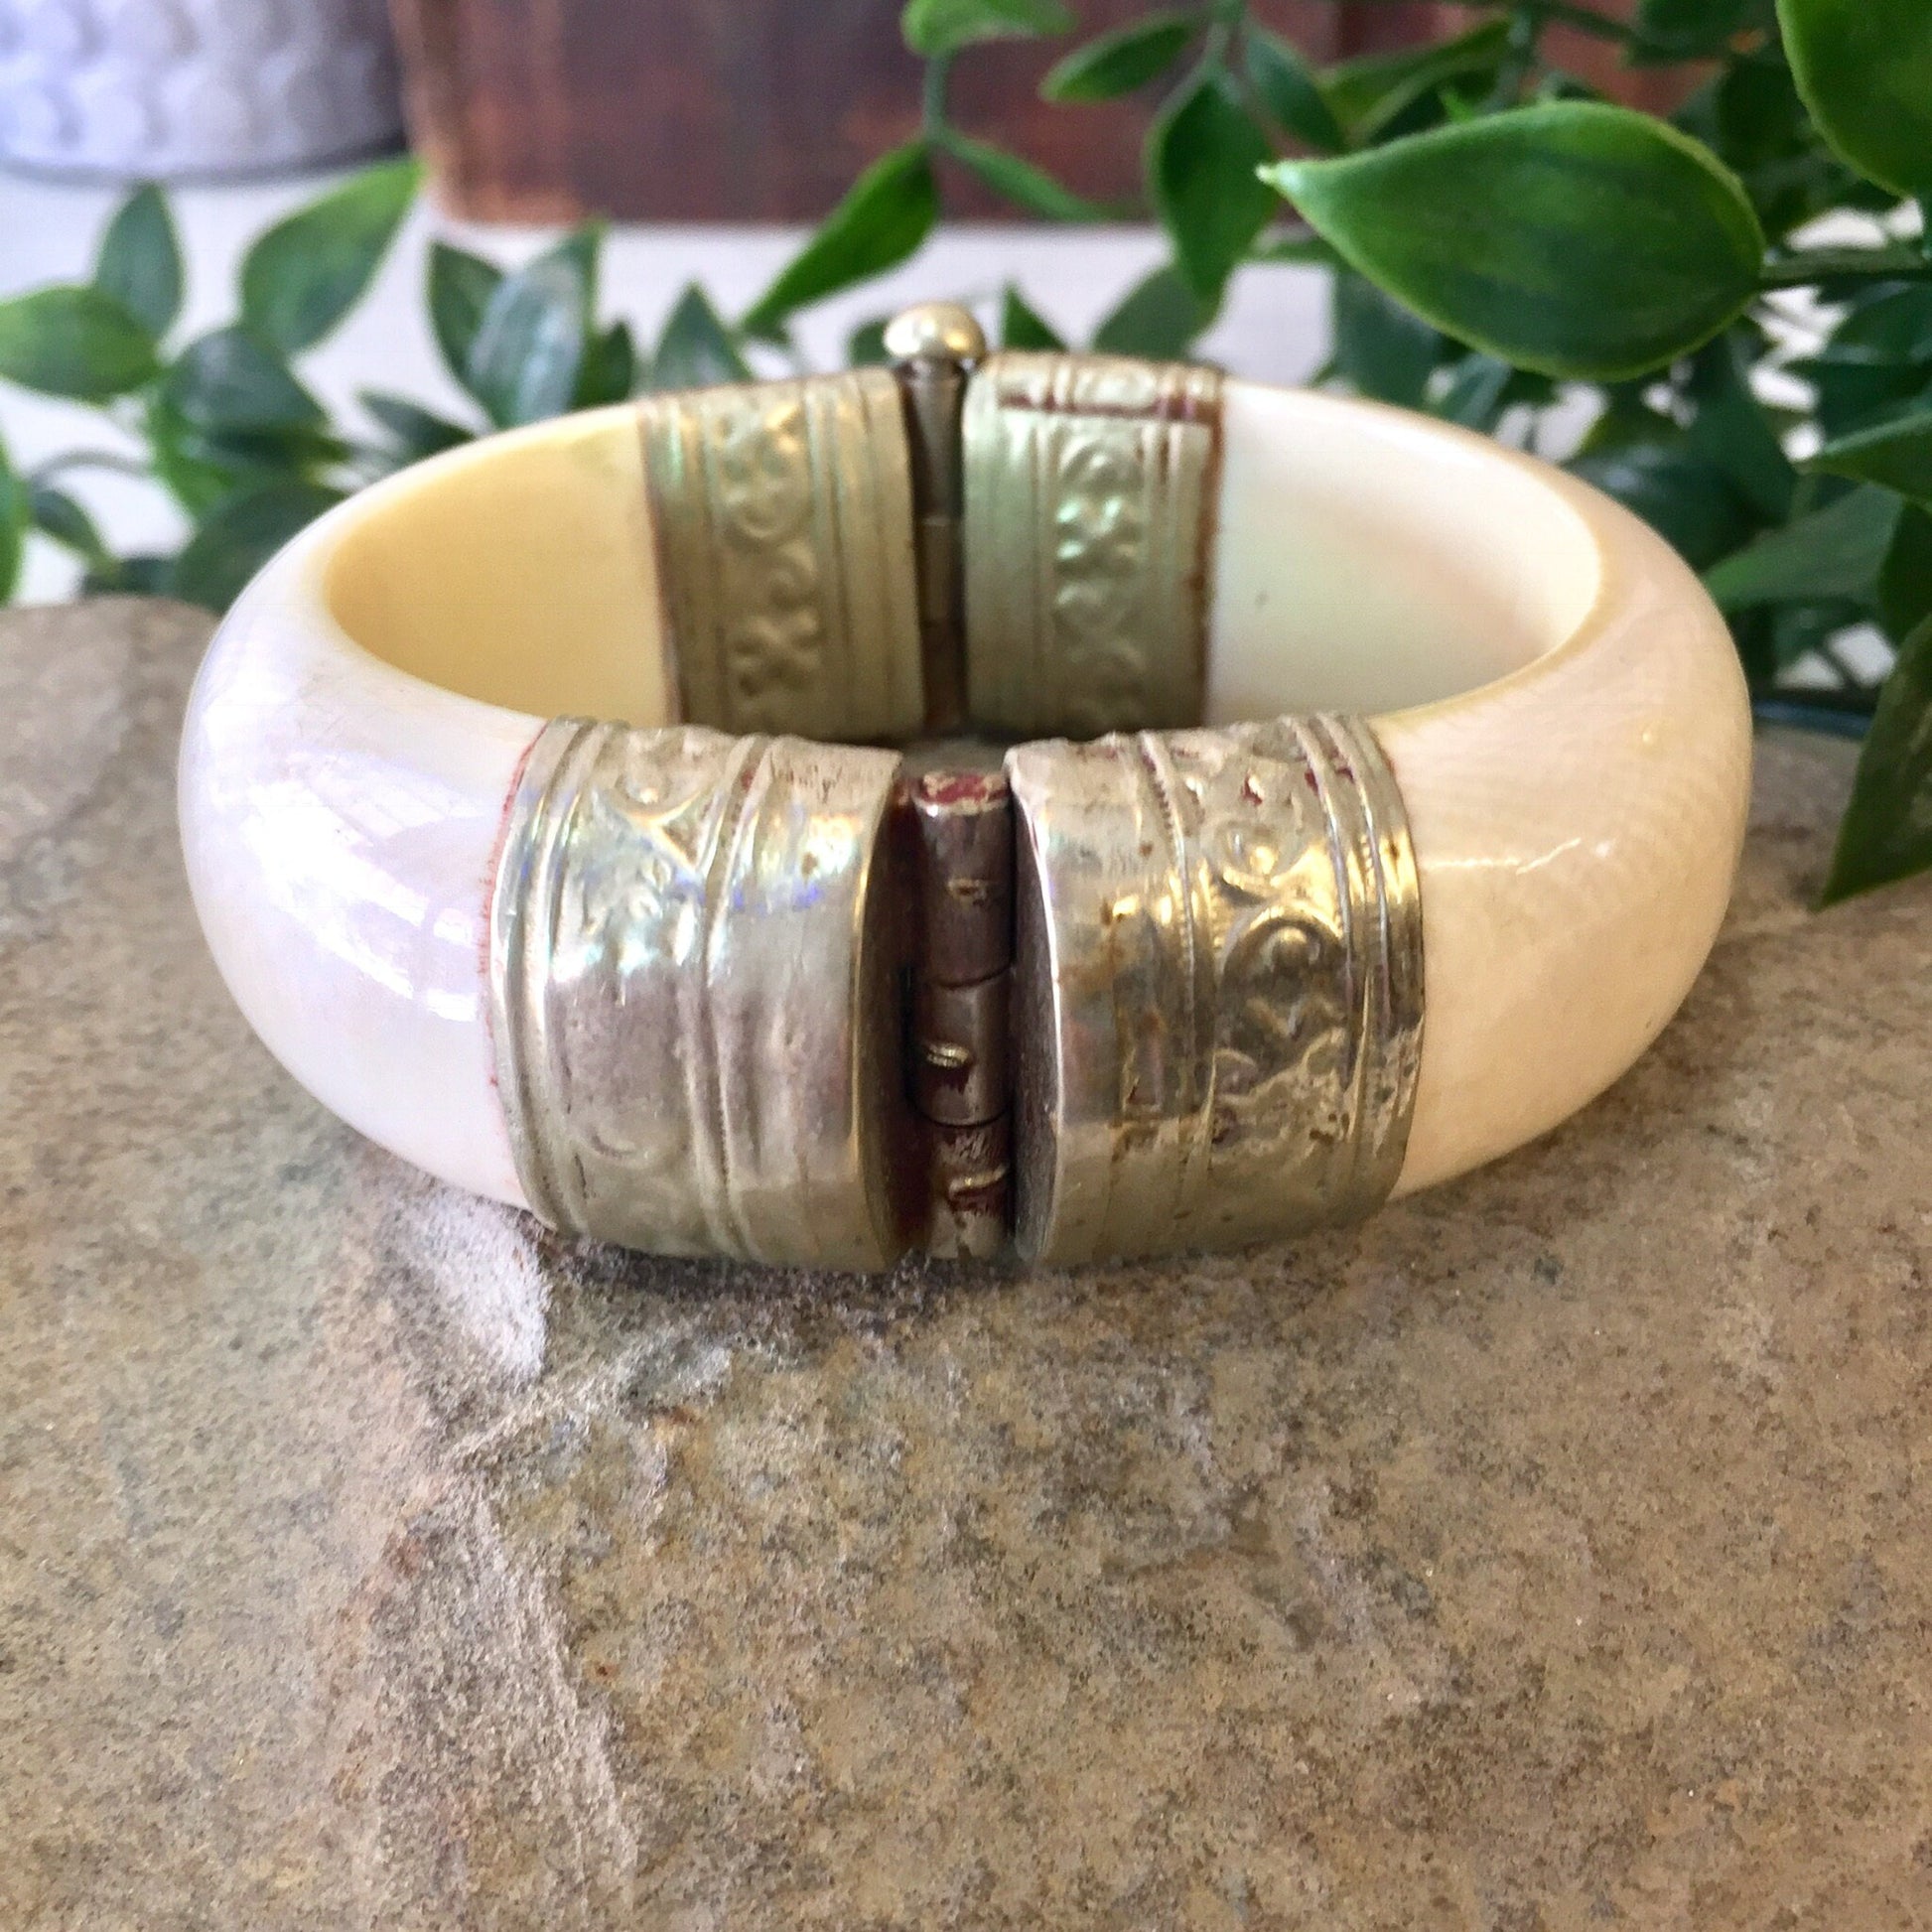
<point>1554,1552</point>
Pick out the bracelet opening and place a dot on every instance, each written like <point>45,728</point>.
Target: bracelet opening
<point>1362,560</point>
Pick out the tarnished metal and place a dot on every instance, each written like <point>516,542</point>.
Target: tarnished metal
<point>1090,524</point>
<point>784,522</point>
<point>965,875</point>
<point>695,998</point>
<point>970,1176</point>
<point>958,1049</point>
<point>796,1002</point>
<point>932,347</point>
<point>959,1069</point>
<point>1219,986</point>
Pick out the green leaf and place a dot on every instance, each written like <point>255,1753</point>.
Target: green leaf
<point>529,346</point>
<point>610,371</point>
<point>1864,69</point>
<point>696,348</point>
<point>138,576</point>
<point>1733,431</point>
<point>1284,84</point>
<point>241,535</point>
<point>1305,250</point>
<point>1906,577</point>
<point>181,461</point>
<point>1756,114</point>
<point>459,288</point>
<point>1158,318</point>
<point>1474,393</point>
<point>1202,158</point>
<point>1019,182</point>
<point>1800,630</point>
<point>298,451</point>
<point>1834,552</point>
<point>1022,327</point>
<point>74,342</point>
<point>1555,86</point>
<point>1367,94</point>
<point>1750,115</point>
<point>1571,238</point>
<point>1887,831</point>
<point>936,27</point>
<point>885,217</point>
<point>1683,495</point>
<point>414,432</point>
<point>864,347</point>
<point>204,466</point>
<point>56,514</point>
<point>1877,361</point>
<point>13,526</point>
<point>1118,62</point>
<point>300,278</point>
<point>1692,30</point>
<point>1380,348</point>
<point>229,380</point>
<point>139,263</point>
<point>179,465</point>
<point>1480,389</point>
<point>1627,417</point>
<point>1896,454</point>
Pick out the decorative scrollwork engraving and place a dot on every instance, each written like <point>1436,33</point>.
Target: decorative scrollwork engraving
<point>1220,966</point>
<point>1089,520</point>
<point>784,533</point>
<point>693,994</point>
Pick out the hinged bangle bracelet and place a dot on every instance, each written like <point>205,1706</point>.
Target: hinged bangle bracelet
<point>1047,801</point>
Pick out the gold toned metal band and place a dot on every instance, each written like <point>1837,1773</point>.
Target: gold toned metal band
<point>1219,986</point>
<point>1090,484</point>
<point>694,994</point>
<point>783,517</point>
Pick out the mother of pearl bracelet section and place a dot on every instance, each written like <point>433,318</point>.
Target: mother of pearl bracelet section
<point>1376,798</point>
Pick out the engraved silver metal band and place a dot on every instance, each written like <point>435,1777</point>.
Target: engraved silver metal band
<point>1219,986</point>
<point>694,993</point>
<point>793,1002</point>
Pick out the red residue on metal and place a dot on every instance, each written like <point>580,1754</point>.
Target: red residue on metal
<point>963,787</point>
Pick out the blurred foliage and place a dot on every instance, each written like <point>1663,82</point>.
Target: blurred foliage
<point>1642,297</point>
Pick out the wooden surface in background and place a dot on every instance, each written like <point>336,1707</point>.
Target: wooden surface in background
<point>764,111</point>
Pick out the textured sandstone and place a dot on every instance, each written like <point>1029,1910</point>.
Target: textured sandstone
<point>1552,1552</point>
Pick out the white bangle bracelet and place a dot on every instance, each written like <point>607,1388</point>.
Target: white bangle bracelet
<point>1557,700</point>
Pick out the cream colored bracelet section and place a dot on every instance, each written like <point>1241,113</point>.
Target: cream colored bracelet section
<point>340,811</point>
<point>1559,701</point>
<point>1577,817</point>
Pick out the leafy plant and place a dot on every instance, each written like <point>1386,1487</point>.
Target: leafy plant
<point>1509,252</point>
<point>222,421</point>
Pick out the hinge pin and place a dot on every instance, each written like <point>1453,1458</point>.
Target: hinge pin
<point>957,1064</point>
<point>933,348</point>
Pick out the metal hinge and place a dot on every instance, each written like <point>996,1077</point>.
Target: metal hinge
<point>957,1041</point>
<point>934,348</point>
<point>961,823</point>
